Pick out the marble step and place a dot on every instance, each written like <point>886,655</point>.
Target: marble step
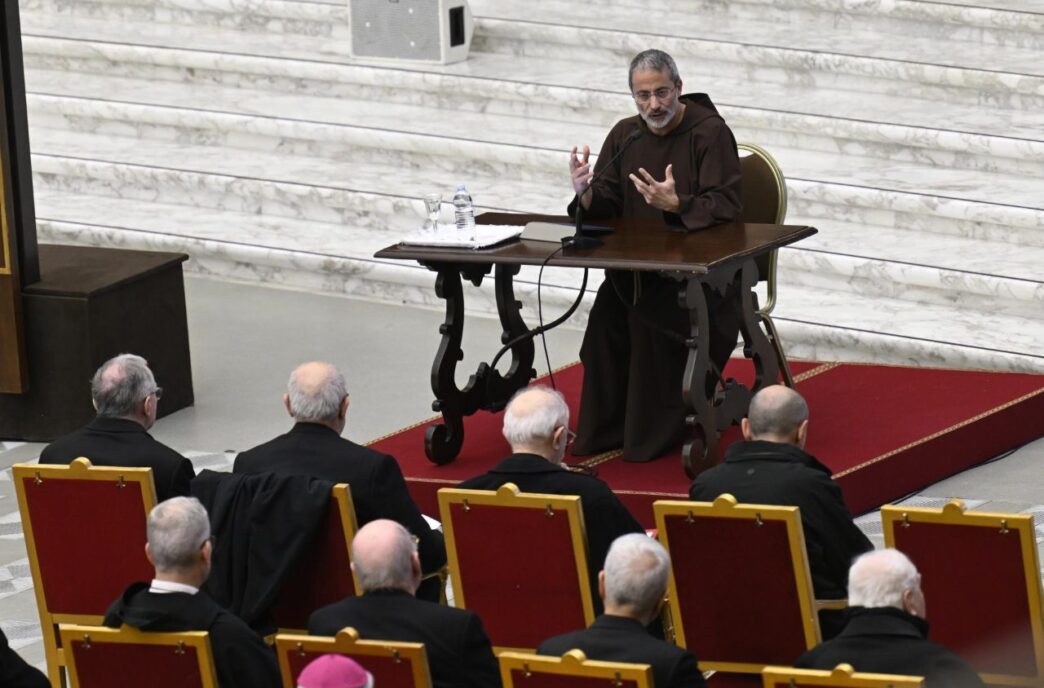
<point>1019,149</point>
<point>903,262</point>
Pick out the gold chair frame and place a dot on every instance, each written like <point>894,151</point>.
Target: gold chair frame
<point>125,635</point>
<point>841,676</point>
<point>573,663</point>
<point>726,506</point>
<point>347,642</point>
<point>78,469</point>
<point>508,495</point>
<point>765,311</point>
<point>1021,525</point>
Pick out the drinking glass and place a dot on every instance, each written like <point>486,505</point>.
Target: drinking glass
<point>433,204</point>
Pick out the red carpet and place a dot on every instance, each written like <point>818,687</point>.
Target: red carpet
<point>885,431</point>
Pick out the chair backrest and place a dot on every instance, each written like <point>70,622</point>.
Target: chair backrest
<point>571,670</point>
<point>842,676</point>
<point>99,657</point>
<point>85,534</point>
<point>733,563</point>
<point>519,561</point>
<point>764,196</point>
<point>323,574</point>
<point>981,579</point>
<point>393,664</point>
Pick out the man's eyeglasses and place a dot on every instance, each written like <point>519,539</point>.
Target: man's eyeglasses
<point>644,97</point>
<point>158,393</point>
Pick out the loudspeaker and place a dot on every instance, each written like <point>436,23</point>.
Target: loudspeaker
<point>414,30</point>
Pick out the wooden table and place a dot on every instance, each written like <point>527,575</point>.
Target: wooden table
<point>701,262</point>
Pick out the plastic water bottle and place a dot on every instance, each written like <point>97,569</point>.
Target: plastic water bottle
<point>464,212</point>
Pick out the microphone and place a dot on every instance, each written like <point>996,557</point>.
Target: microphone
<point>578,240</point>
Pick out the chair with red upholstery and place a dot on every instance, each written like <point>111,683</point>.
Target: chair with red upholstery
<point>519,561</point>
<point>78,571</point>
<point>842,676</point>
<point>981,579</point>
<point>99,657</point>
<point>323,575</point>
<point>571,670</point>
<point>392,664</point>
<point>740,591</point>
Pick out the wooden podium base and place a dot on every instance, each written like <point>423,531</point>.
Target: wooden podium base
<point>90,305</point>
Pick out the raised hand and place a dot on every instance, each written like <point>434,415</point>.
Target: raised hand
<point>580,169</point>
<point>657,194</point>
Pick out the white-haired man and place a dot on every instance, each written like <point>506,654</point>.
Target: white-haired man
<point>886,631</point>
<point>179,547</point>
<point>536,425</point>
<point>384,559</point>
<point>632,586</point>
<point>126,398</point>
<point>317,399</point>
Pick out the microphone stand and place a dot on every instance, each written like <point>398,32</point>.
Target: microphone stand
<point>578,240</point>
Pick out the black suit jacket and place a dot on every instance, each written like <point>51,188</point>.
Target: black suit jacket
<point>241,658</point>
<point>458,649</point>
<point>122,442</point>
<point>605,516</point>
<point>760,472</point>
<point>619,639</point>
<point>889,641</point>
<point>378,488</point>
<point>15,672</point>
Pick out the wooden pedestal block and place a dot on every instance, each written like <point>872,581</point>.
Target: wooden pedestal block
<point>90,305</point>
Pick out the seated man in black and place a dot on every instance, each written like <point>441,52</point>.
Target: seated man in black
<point>770,466</point>
<point>179,547</point>
<point>15,672</point>
<point>632,585</point>
<point>384,559</point>
<point>317,400</point>
<point>125,397</point>
<point>536,424</point>
<point>886,631</point>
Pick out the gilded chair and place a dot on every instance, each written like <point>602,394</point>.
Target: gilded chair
<point>85,534</point>
<point>765,201</point>
<point>518,560</point>
<point>740,591</point>
<point>392,664</point>
<point>842,676</point>
<point>980,574</point>
<point>323,574</point>
<point>571,670</point>
<point>100,657</point>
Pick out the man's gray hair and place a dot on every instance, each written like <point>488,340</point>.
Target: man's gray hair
<point>655,61</point>
<point>176,529</point>
<point>537,425</point>
<point>120,385</point>
<point>636,571</point>
<point>776,411</point>
<point>394,571</point>
<point>879,579</point>
<point>318,404</point>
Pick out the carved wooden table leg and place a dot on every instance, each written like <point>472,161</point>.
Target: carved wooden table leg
<point>487,388</point>
<point>698,372</point>
<point>756,345</point>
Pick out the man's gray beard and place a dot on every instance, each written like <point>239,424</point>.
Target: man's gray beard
<point>661,122</point>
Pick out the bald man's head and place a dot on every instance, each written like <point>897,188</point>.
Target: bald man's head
<point>777,414</point>
<point>317,393</point>
<point>536,421</point>
<point>384,556</point>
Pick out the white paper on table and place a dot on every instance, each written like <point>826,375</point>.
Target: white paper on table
<point>449,237</point>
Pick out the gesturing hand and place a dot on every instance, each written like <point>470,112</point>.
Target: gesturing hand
<point>657,194</point>
<point>580,169</point>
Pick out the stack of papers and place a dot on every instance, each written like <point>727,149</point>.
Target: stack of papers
<point>449,237</point>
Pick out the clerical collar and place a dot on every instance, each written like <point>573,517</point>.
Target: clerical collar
<point>166,587</point>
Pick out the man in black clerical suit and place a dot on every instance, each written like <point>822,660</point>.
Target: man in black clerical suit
<point>683,170</point>
<point>886,631</point>
<point>536,425</point>
<point>125,397</point>
<point>179,547</point>
<point>317,400</point>
<point>632,585</point>
<point>15,672</point>
<point>770,466</point>
<point>386,566</point>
